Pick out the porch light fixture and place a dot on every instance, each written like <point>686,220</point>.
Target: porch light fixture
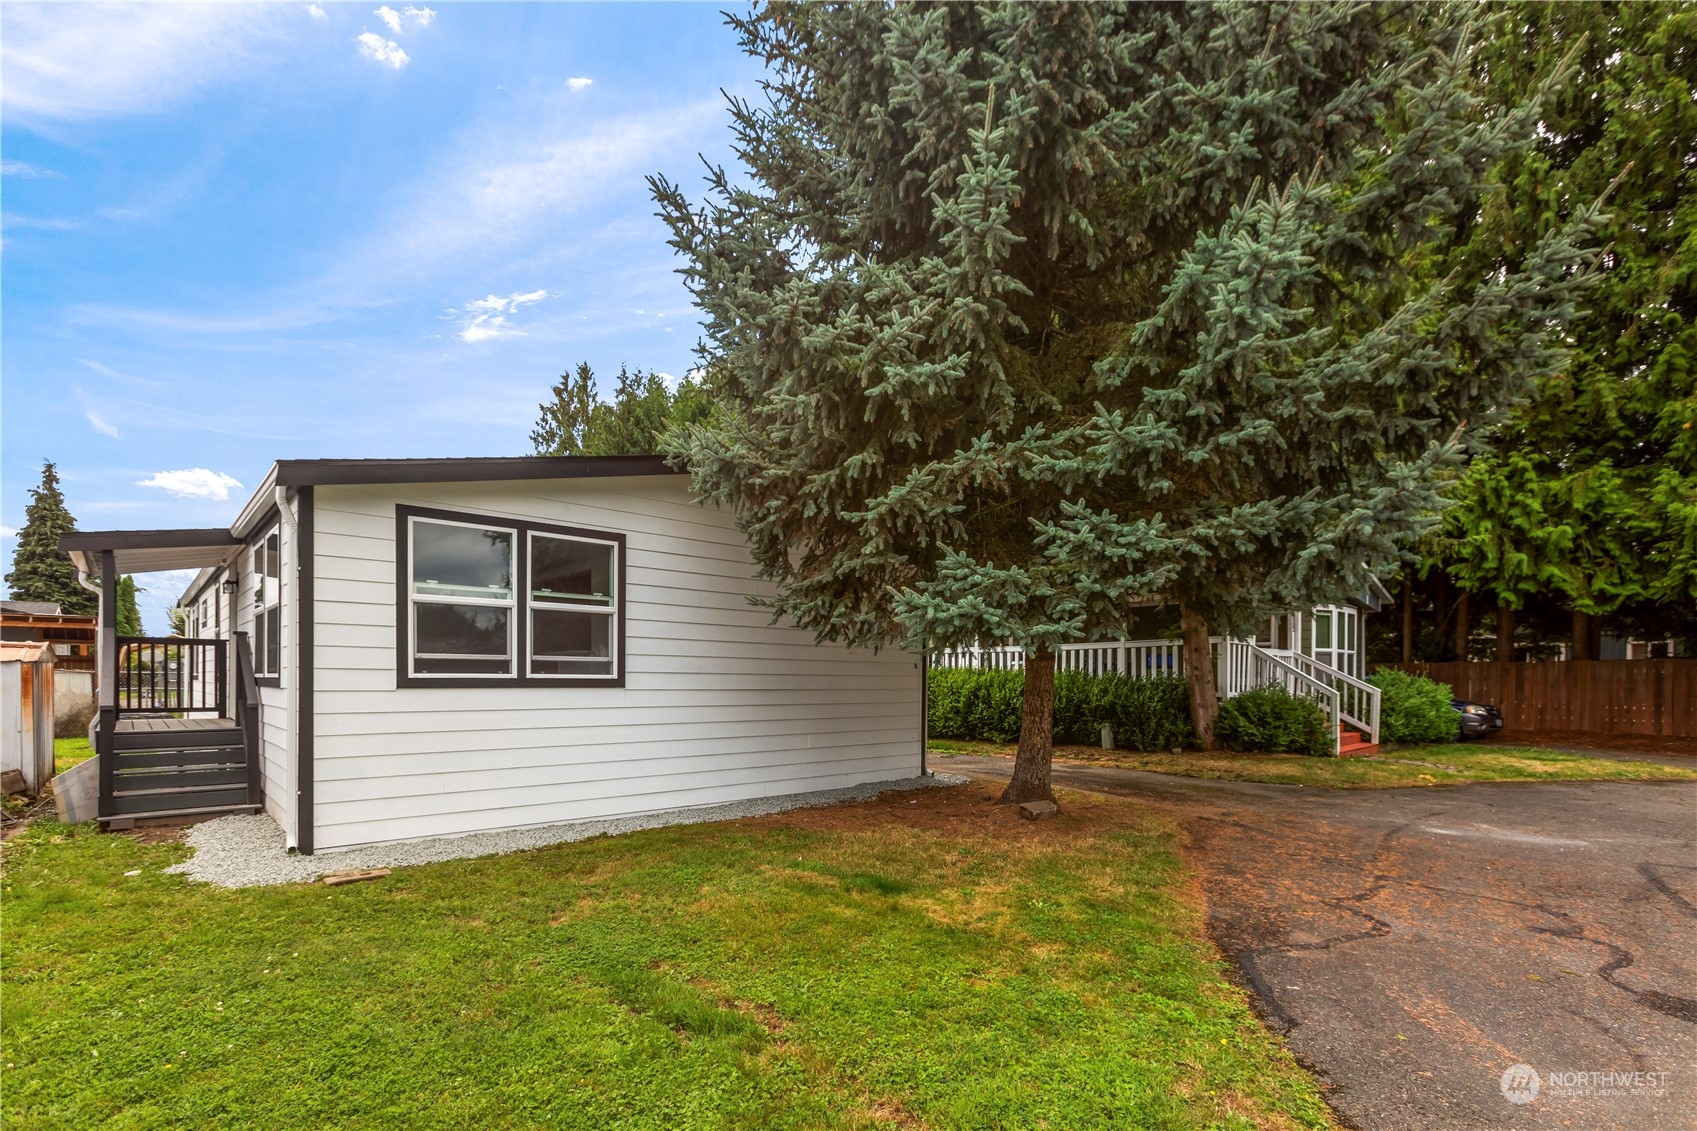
<point>230,585</point>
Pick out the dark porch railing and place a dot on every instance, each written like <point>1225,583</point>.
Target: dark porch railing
<point>172,675</point>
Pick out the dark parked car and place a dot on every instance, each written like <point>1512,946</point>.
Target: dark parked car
<point>1477,719</point>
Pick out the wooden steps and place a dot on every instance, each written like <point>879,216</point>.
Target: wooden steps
<point>1353,744</point>
<point>178,768</point>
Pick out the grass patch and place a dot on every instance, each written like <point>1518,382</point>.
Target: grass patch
<point>1441,764</point>
<point>917,961</point>
<point>67,752</point>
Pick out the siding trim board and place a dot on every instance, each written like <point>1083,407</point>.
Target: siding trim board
<point>521,609</point>
<point>305,666</point>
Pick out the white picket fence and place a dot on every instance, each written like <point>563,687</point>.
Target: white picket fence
<point>1240,665</point>
<point>1137,658</point>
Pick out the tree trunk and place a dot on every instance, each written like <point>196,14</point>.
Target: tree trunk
<point>1505,633</point>
<point>1463,628</point>
<point>1408,620</point>
<point>1199,675</point>
<point>1440,604</point>
<point>1030,780</point>
<point>1582,635</point>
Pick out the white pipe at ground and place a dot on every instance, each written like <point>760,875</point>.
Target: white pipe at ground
<point>288,670</point>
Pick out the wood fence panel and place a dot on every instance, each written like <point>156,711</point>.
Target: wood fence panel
<point>1647,697</point>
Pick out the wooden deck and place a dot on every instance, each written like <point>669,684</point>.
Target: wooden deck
<point>132,725</point>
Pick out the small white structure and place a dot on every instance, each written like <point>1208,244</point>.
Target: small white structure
<point>26,712</point>
<point>1320,654</point>
<point>397,649</point>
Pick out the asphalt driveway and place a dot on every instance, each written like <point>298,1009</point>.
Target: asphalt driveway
<point>1416,944</point>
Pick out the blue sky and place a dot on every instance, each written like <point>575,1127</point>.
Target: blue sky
<point>236,233</point>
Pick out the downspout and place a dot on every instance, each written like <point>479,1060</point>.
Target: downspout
<point>288,668</point>
<point>101,691</point>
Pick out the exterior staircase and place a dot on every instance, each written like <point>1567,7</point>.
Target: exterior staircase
<point>1353,744</point>
<point>177,768</point>
<point>157,760</point>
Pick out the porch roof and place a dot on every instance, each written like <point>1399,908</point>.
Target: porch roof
<point>143,551</point>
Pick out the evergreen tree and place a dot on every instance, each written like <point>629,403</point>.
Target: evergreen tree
<point>577,422</point>
<point>129,615</point>
<point>41,571</point>
<point>1023,313</point>
<point>1590,493</point>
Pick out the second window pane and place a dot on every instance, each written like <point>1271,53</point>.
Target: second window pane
<point>571,643</point>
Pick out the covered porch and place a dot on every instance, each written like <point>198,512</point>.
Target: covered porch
<point>176,732</point>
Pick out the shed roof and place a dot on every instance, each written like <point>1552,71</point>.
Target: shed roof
<point>26,651</point>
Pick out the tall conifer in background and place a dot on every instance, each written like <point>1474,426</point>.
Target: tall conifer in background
<point>129,613</point>
<point>1024,313</point>
<point>1589,494</point>
<point>41,571</point>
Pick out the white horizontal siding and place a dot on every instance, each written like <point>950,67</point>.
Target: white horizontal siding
<point>718,703</point>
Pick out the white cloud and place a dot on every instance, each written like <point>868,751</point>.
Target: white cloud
<point>7,531</point>
<point>193,483</point>
<point>579,82</point>
<point>418,17</point>
<point>486,318</point>
<point>72,62</point>
<point>26,170</point>
<point>317,13</point>
<point>384,51</point>
<point>100,425</point>
<point>45,223</point>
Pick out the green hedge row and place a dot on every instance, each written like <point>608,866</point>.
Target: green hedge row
<point>1413,708</point>
<point>1154,714</point>
<point>1270,720</point>
<point>984,706</point>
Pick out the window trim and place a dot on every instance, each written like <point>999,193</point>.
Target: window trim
<point>521,607</point>
<point>257,546</point>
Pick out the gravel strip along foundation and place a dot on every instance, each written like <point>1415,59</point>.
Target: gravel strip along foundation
<point>248,851</point>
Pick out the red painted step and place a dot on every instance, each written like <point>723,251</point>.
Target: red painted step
<point>1354,744</point>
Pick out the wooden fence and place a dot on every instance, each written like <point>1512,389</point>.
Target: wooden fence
<point>1649,697</point>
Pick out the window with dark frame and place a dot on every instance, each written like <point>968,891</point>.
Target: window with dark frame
<point>487,600</point>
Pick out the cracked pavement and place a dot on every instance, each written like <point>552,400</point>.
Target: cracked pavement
<point>1413,944</point>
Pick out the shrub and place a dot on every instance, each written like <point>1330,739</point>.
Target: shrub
<point>985,706</point>
<point>1273,721</point>
<point>979,705</point>
<point>1413,708</point>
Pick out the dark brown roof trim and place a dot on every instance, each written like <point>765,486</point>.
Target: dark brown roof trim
<point>305,472</point>
<point>96,540</point>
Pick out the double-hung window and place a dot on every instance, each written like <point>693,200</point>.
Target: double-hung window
<point>487,600</point>
<point>267,606</point>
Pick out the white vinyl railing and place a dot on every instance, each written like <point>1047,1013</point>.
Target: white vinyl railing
<point>1358,700</point>
<point>1243,667</point>
<point>1139,659</point>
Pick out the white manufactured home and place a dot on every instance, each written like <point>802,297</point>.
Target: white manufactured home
<point>382,650</point>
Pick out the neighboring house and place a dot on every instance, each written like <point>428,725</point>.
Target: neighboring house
<point>72,636</point>
<point>1319,654</point>
<point>445,646</point>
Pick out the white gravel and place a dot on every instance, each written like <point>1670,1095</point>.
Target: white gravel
<point>248,851</point>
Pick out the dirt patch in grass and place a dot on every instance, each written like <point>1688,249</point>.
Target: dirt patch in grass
<point>1413,766</point>
<point>1601,743</point>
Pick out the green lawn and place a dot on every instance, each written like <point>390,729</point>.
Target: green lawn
<point>67,752</point>
<point>1443,764</point>
<point>921,961</point>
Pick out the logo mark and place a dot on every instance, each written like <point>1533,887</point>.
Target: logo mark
<point>1520,1084</point>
